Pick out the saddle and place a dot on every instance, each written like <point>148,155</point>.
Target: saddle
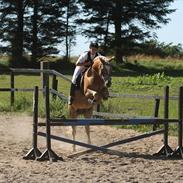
<point>80,81</point>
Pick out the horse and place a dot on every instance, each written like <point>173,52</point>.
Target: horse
<point>95,83</point>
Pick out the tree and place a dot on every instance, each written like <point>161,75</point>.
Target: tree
<point>36,27</point>
<point>34,47</point>
<point>71,10</point>
<point>155,48</point>
<point>50,26</point>
<point>95,18</point>
<point>11,31</point>
<point>47,29</point>
<point>132,20</point>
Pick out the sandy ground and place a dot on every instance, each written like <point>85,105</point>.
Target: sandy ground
<point>136,164</point>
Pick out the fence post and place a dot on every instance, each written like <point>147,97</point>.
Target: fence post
<point>179,150</point>
<point>54,85</point>
<point>44,76</point>
<point>48,154</point>
<point>34,153</point>
<point>12,86</point>
<point>156,111</point>
<point>165,149</point>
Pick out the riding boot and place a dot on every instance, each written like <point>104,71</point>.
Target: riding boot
<point>72,90</point>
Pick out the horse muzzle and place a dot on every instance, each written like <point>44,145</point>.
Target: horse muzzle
<point>108,83</point>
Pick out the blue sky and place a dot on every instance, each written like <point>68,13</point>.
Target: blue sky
<point>169,33</point>
<point>173,31</point>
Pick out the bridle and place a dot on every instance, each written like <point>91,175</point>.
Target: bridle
<point>105,76</point>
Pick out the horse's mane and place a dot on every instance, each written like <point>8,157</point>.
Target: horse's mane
<point>102,58</point>
<point>89,71</point>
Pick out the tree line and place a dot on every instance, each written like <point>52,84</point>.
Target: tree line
<point>37,27</point>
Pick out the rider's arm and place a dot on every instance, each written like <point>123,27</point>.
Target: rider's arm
<point>83,64</point>
<point>82,60</point>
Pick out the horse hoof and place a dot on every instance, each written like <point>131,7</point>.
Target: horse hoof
<point>91,101</point>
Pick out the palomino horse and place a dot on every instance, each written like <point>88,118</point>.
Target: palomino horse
<point>96,81</point>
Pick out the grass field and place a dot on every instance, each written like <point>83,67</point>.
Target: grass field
<point>145,77</point>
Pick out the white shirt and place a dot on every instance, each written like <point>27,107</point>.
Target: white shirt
<point>84,57</point>
<point>78,70</point>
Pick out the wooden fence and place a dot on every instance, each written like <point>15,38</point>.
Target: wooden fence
<point>45,73</point>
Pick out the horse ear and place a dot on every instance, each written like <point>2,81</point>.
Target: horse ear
<point>110,59</point>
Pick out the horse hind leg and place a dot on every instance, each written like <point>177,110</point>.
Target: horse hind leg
<point>88,114</point>
<point>74,137</point>
<point>87,129</point>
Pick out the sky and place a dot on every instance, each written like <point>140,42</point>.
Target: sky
<point>169,33</point>
<point>173,31</point>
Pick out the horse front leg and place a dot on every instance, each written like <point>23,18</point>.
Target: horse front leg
<point>87,129</point>
<point>88,114</point>
<point>91,94</point>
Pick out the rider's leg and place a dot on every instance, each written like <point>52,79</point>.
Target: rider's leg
<point>75,78</point>
<point>72,90</point>
<point>77,71</point>
<point>78,81</point>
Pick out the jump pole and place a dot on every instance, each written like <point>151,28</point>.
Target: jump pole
<point>82,144</point>
<point>48,154</point>
<point>101,122</point>
<point>120,142</point>
<point>34,152</point>
<point>179,150</point>
<point>165,149</point>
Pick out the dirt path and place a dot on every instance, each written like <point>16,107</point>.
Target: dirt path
<point>136,165</point>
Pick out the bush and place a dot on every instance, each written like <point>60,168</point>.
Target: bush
<point>22,104</point>
<point>58,109</point>
<point>156,79</point>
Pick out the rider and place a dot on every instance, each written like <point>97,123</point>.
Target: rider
<point>84,61</point>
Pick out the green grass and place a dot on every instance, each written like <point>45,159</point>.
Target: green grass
<point>142,77</point>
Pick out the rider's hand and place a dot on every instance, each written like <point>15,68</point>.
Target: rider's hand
<point>87,64</point>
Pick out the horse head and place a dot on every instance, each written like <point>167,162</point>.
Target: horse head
<point>103,67</point>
